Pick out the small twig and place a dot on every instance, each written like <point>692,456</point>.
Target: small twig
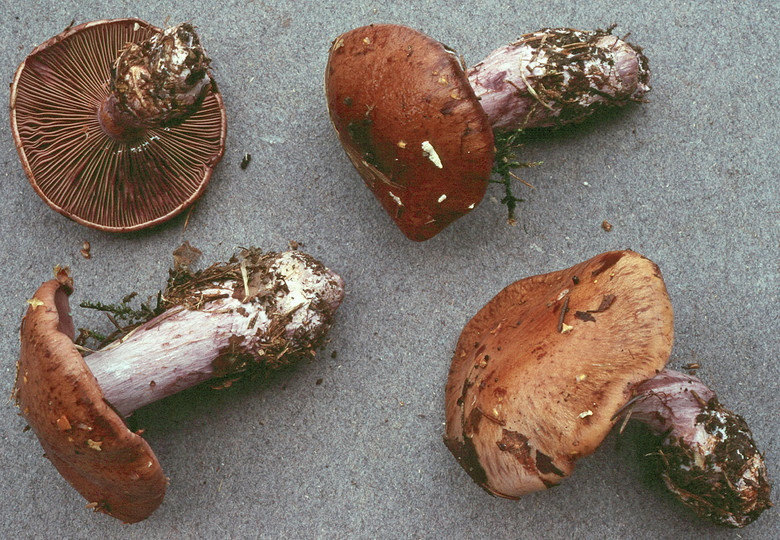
<point>245,279</point>
<point>698,398</point>
<point>490,417</point>
<point>517,88</point>
<point>575,45</point>
<point>513,175</point>
<point>157,320</point>
<point>187,219</point>
<point>626,418</point>
<point>627,405</point>
<point>564,309</point>
<point>533,92</point>
<point>113,321</point>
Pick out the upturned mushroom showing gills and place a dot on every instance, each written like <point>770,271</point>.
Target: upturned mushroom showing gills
<point>544,370</point>
<point>419,129</point>
<point>118,124</point>
<point>263,311</point>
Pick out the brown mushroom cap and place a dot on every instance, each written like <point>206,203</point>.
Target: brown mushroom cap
<point>410,123</point>
<point>79,170</point>
<point>540,371</point>
<point>88,443</point>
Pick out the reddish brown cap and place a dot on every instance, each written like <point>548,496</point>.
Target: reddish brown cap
<point>88,443</point>
<point>77,168</point>
<point>541,370</point>
<point>410,123</point>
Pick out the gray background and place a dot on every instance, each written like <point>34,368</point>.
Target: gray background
<point>688,179</point>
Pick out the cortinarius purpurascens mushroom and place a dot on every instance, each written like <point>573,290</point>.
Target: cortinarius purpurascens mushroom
<point>265,310</point>
<point>419,129</point>
<point>118,124</point>
<point>543,371</point>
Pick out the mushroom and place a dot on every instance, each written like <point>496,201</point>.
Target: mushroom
<point>264,311</point>
<point>419,129</point>
<point>118,124</point>
<point>543,371</point>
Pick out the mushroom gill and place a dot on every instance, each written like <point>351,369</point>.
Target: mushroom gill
<point>108,183</point>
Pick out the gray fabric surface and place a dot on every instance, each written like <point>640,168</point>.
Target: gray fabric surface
<point>688,179</point>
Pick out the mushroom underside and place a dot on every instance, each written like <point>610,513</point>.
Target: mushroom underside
<point>79,170</point>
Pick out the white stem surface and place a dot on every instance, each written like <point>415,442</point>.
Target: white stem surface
<point>178,349</point>
<point>557,76</point>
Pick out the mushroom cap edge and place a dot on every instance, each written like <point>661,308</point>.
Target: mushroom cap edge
<point>83,437</point>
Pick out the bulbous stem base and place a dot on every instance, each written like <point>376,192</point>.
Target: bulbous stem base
<point>709,458</point>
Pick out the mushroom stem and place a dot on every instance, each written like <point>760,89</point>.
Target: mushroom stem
<point>158,82</point>
<point>278,310</point>
<point>710,461</point>
<point>116,122</point>
<point>558,76</point>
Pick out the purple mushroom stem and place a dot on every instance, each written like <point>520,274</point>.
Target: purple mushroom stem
<point>558,76</point>
<point>271,317</point>
<point>259,311</point>
<point>709,458</point>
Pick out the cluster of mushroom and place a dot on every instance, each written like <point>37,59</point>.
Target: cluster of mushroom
<point>124,141</point>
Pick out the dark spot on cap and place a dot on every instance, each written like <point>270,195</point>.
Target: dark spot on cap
<point>545,465</point>
<point>585,316</point>
<point>605,303</point>
<point>360,132</point>
<point>608,261</point>
<point>517,445</point>
<point>466,454</point>
<point>471,425</point>
<point>447,109</point>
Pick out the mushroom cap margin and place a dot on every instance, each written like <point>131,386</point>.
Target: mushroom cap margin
<point>89,444</point>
